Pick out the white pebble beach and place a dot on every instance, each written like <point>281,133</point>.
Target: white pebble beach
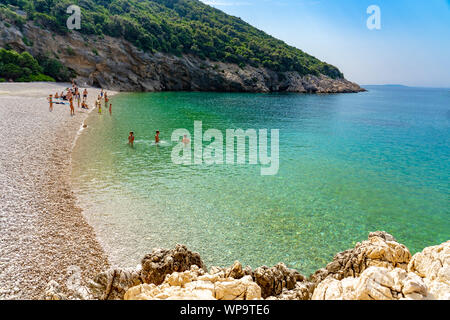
<point>43,233</point>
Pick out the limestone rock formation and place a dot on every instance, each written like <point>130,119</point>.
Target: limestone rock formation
<point>433,265</point>
<point>273,280</point>
<point>301,291</point>
<point>159,263</point>
<point>114,283</point>
<point>196,285</point>
<point>375,283</point>
<point>381,250</point>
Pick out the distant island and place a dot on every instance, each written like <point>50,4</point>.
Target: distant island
<point>156,46</point>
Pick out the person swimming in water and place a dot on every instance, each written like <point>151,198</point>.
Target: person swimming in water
<point>131,139</point>
<point>157,140</point>
<point>186,140</point>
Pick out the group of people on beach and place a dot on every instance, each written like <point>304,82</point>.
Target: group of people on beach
<point>74,93</point>
<point>70,94</point>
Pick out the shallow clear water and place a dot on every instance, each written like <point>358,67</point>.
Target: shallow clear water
<point>349,164</point>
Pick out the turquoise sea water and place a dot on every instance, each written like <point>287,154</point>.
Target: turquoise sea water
<point>349,164</point>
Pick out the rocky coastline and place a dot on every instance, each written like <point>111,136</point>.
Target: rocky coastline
<point>379,268</point>
<point>116,64</point>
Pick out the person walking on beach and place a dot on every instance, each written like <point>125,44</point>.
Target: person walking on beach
<point>72,109</point>
<point>157,140</point>
<point>85,94</point>
<point>50,100</point>
<point>101,94</point>
<point>77,96</point>
<point>131,139</point>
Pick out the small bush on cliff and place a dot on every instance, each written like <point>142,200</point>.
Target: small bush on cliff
<point>56,69</point>
<point>22,67</point>
<point>36,78</point>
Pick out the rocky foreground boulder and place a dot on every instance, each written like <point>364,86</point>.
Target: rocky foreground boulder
<point>382,269</point>
<point>380,250</point>
<point>379,268</point>
<point>196,285</point>
<point>114,283</point>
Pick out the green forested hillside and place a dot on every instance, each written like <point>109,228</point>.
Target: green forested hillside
<point>175,26</point>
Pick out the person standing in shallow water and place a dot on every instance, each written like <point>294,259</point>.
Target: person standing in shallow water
<point>106,100</point>
<point>110,109</point>
<point>99,104</point>
<point>131,139</point>
<point>157,140</point>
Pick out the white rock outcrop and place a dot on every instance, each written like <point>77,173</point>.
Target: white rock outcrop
<point>427,278</point>
<point>433,265</point>
<point>375,283</point>
<point>195,285</point>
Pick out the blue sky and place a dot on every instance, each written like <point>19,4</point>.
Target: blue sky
<point>411,48</point>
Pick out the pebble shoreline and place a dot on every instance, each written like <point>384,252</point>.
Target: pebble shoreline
<point>44,234</point>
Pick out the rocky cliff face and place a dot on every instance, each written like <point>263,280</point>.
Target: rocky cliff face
<point>116,64</point>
